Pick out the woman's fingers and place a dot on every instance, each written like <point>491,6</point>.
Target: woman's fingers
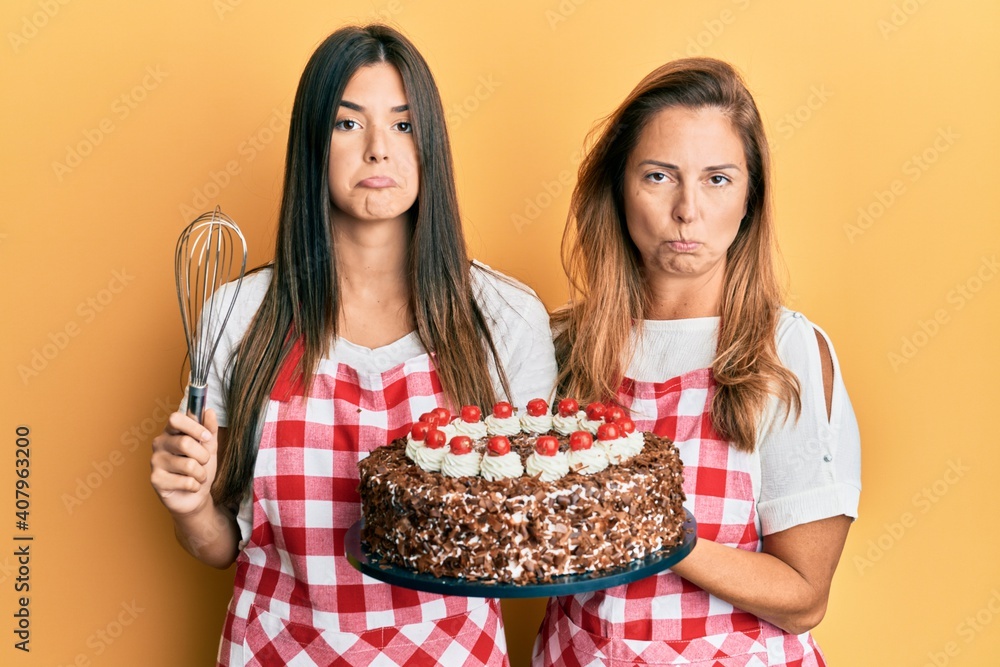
<point>180,423</point>
<point>211,424</point>
<point>166,483</point>
<point>183,446</point>
<point>184,436</point>
<point>181,465</point>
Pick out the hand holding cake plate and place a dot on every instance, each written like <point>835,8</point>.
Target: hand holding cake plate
<point>658,561</point>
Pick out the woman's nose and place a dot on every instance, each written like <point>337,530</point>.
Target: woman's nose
<point>377,148</point>
<point>685,207</point>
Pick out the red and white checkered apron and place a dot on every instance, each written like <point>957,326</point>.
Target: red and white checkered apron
<point>663,619</point>
<point>297,600</point>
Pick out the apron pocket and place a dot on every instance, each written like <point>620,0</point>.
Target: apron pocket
<point>273,641</point>
<point>467,638</point>
<point>732,649</point>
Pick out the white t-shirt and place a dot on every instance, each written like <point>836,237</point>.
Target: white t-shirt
<point>802,470</point>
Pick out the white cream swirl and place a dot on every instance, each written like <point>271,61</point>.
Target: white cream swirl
<point>635,443</point>
<point>540,424</point>
<point>412,446</point>
<point>475,430</point>
<point>460,465</point>
<point>547,468</point>
<point>429,459</point>
<point>503,425</point>
<point>590,425</point>
<point>505,466</point>
<point>449,432</point>
<point>617,449</point>
<point>588,461</point>
<point>567,425</point>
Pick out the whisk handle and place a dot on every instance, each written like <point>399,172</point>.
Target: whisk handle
<point>196,401</point>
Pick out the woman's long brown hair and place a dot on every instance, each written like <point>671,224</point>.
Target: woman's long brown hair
<point>302,299</point>
<point>607,292</point>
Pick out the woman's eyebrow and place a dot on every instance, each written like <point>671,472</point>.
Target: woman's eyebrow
<point>657,163</point>
<point>667,165</point>
<point>357,107</point>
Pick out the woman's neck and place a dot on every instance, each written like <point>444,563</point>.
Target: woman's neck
<point>371,252</point>
<point>373,280</point>
<point>674,297</point>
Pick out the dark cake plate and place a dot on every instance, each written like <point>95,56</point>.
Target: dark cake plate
<point>566,585</point>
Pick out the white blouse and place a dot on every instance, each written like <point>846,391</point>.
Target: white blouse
<point>803,470</point>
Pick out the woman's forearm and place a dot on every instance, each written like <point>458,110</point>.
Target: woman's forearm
<point>210,535</point>
<point>788,584</point>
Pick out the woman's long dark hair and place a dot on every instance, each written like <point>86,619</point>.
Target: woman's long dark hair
<point>302,300</point>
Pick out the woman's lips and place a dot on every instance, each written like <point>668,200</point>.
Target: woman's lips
<point>377,182</point>
<point>683,246</point>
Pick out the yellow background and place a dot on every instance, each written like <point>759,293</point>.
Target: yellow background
<point>887,106</point>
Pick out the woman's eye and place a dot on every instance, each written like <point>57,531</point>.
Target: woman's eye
<point>718,179</point>
<point>346,124</point>
<point>656,177</point>
<point>404,126</point>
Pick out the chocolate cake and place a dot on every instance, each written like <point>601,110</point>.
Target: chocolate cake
<point>561,504</point>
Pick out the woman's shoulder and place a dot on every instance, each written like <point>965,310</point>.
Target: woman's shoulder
<point>796,330</point>
<point>519,328</point>
<point>250,294</point>
<point>803,346</point>
<point>253,285</point>
<point>496,291</point>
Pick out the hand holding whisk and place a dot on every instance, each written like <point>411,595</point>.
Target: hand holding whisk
<point>211,252</point>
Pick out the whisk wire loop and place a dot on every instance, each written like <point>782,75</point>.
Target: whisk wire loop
<point>208,282</point>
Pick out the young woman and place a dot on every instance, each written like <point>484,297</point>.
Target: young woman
<point>676,316</point>
<point>369,315</point>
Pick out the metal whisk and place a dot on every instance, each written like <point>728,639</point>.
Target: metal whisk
<point>208,253</point>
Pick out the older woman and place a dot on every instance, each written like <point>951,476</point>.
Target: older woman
<point>677,317</point>
<point>369,316</point>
